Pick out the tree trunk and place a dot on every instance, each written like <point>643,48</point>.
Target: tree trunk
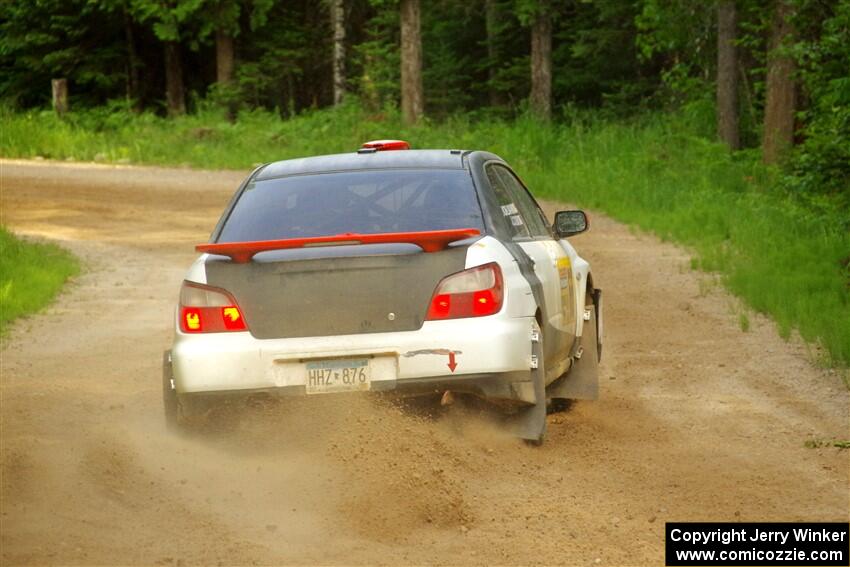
<point>778,135</point>
<point>412,105</point>
<point>338,23</point>
<point>133,81</point>
<point>223,57</point>
<point>727,75</point>
<point>541,62</point>
<point>59,88</point>
<point>491,12</point>
<point>174,94</point>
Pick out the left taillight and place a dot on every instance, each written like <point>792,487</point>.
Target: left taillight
<point>475,292</point>
<point>207,309</point>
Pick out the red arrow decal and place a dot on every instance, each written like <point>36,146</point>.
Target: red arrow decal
<point>452,364</point>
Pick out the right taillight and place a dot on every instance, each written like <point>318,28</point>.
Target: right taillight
<point>206,309</point>
<point>475,292</point>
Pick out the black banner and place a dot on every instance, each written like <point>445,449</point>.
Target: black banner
<point>752,543</point>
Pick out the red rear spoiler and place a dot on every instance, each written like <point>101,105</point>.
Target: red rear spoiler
<point>429,241</point>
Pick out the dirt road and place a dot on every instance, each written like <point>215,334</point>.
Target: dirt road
<point>697,420</point>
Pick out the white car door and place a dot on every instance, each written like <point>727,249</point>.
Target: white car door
<point>552,265</point>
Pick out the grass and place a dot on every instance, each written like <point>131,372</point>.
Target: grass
<point>744,322</point>
<point>786,256</point>
<point>31,274</point>
<point>819,443</point>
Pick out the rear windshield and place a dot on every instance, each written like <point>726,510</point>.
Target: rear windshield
<point>365,202</point>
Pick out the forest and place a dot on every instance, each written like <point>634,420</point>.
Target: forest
<point>778,71</point>
<point>723,125</point>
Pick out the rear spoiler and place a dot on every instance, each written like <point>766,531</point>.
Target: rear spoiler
<point>429,241</point>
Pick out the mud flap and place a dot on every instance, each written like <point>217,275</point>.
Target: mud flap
<point>170,404</point>
<point>179,411</point>
<point>581,382</point>
<point>529,422</point>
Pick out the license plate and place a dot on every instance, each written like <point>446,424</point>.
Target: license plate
<point>338,375</point>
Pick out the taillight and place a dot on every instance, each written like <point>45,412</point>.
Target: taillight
<point>206,309</point>
<point>472,293</point>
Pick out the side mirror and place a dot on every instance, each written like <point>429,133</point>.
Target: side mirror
<point>569,223</point>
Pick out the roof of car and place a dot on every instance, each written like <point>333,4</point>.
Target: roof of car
<point>399,159</point>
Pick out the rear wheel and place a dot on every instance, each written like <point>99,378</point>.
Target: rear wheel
<point>557,405</point>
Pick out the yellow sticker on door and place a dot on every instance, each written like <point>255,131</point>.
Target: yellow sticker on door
<point>564,271</point>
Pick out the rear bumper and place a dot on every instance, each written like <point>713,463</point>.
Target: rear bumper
<point>493,357</point>
<point>513,386</point>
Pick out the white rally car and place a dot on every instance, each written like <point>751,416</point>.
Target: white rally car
<point>414,271</point>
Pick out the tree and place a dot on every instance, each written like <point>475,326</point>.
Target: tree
<point>412,99</point>
<point>338,25</point>
<point>491,11</point>
<point>224,56</point>
<point>225,22</point>
<point>133,64</point>
<point>727,74</point>
<point>168,19</point>
<point>781,95</point>
<point>223,18</point>
<point>175,94</point>
<point>541,61</point>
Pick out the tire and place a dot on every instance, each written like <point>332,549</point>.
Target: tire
<point>557,405</point>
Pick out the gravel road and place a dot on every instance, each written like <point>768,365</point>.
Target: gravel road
<point>697,420</point>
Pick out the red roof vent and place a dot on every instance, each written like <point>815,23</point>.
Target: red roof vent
<point>386,145</point>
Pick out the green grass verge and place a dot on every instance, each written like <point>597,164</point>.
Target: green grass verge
<point>786,256</point>
<point>31,274</point>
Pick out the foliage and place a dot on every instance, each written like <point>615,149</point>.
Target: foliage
<point>451,78</point>
<point>819,443</point>
<point>283,51</point>
<point>680,36</point>
<point>821,164</point>
<point>376,56</point>
<point>167,18</point>
<point>58,38</point>
<point>595,51</point>
<point>276,71</point>
<point>785,257</point>
<point>31,274</point>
